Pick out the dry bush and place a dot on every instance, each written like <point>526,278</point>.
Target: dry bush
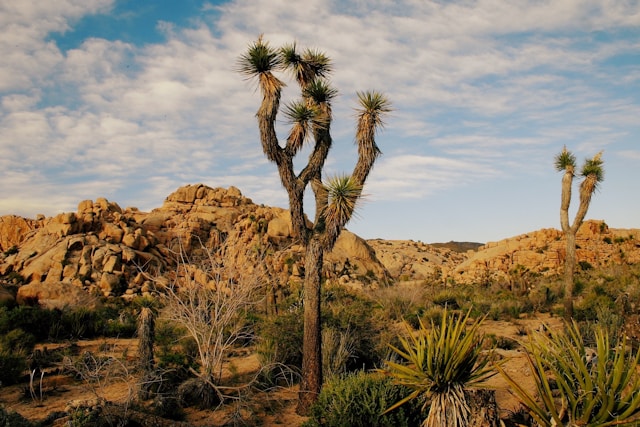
<point>210,298</point>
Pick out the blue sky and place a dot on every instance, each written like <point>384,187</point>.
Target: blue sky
<point>130,100</point>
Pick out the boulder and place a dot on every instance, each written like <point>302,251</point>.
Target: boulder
<point>13,231</point>
<point>55,295</point>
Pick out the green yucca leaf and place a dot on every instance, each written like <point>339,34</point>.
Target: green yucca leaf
<point>320,91</point>
<point>290,57</point>
<point>565,161</point>
<point>374,105</point>
<point>440,362</point>
<point>260,58</point>
<point>603,394</point>
<point>594,167</point>
<point>319,62</point>
<point>343,194</point>
<point>299,112</point>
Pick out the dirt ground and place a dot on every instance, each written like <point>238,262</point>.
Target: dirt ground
<point>59,392</point>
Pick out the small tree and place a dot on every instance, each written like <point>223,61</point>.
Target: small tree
<point>336,200</point>
<point>593,173</point>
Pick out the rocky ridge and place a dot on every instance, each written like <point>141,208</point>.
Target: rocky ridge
<point>104,250</point>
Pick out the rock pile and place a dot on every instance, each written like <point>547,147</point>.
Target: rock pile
<point>544,252</point>
<point>104,250</point>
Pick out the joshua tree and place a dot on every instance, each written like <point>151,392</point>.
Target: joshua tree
<point>335,202</point>
<point>593,173</point>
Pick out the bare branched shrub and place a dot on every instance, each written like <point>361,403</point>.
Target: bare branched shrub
<point>209,298</point>
<point>103,376</point>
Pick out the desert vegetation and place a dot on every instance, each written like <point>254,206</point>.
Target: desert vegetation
<point>374,342</point>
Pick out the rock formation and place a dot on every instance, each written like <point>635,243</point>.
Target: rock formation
<point>543,252</point>
<point>103,250</point>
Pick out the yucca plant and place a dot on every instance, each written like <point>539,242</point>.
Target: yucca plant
<point>442,363</point>
<point>593,389</point>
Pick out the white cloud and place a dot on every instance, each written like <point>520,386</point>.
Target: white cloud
<point>481,90</point>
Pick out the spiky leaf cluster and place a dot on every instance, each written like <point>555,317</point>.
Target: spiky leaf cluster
<point>440,363</point>
<point>343,193</point>
<point>594,168</point>
<point>600,390</point>
<point>259,58</point>
<point>565,161</point>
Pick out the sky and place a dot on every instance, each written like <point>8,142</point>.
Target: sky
<point>129,100</point>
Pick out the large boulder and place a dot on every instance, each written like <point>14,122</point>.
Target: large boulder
<point>55,295</point>
<point>13,231</point>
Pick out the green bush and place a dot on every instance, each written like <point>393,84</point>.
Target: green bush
<point>12,366</point>
<point>13,419</point>
<point>285,332</point>
<point>446,299</point>
<point>32,320</point>
<point>351,313</point>
<point>593,387</point>
<point>17,341</point>
<point>360,399</point>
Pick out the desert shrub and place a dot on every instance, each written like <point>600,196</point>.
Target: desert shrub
<point>587,308</point>
<point>400,302</point>
<point>167,407</point>
<point>349,313</point>
<point>360,399</point>
<point>510,309</point>
<point>592,389</point>
<point>198,392</point>
<point>12,366</point>
<point>32,320</point>
<point>440,364</point>
<point>337,351</point>
<point>78,323</point>
<point>585,265</point>
<point>447,299</point>
<point>284,332</point>
<point>175,354</point>
<point>17,341</point>
<point>12,419</point>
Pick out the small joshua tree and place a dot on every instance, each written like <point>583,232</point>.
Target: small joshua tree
<point>336,200</point>
<point>593,174</point>
<point>146,337</point>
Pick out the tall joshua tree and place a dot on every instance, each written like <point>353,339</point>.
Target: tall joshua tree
<point>310,118</point>
<point>593,174</point>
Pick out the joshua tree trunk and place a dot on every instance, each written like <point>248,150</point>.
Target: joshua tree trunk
<point>312,336</point>
<point>146,337</point>
<point>569,270</point>
<point>335,202</point>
